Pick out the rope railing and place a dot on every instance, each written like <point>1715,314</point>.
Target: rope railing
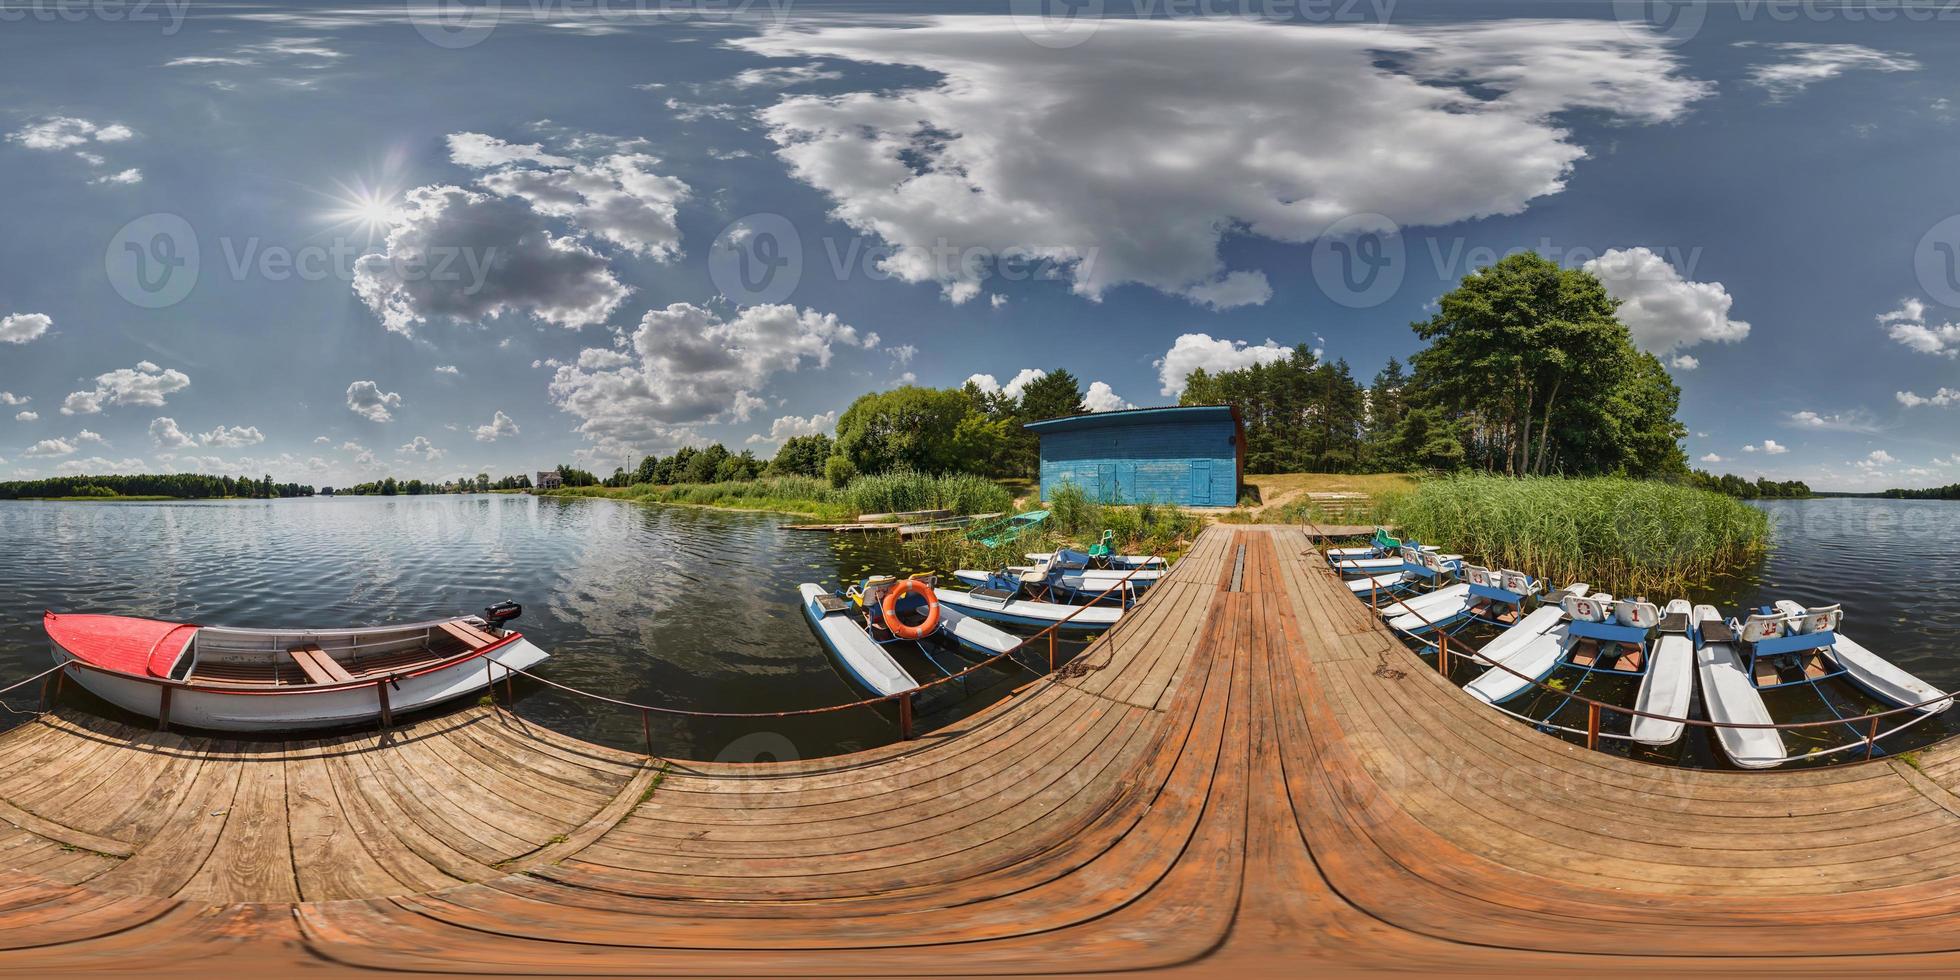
<point>903,698</point>
<point>1596,709</point>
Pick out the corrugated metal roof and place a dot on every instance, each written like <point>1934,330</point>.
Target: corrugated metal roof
<point>1096,420</point>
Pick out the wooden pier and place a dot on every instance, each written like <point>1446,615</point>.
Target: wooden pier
<point>1249,774</point>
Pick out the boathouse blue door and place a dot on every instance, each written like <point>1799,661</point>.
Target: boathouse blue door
<point>1201,481</point>
<point>1106,482</point>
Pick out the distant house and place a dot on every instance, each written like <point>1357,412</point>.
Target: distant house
<point>1192,456</point>
<point>548,480</point>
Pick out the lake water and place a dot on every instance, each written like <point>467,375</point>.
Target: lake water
<point>678,607</point>
<point>697,609</point>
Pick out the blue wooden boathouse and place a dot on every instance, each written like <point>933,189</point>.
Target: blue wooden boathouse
<point>1192,456</point>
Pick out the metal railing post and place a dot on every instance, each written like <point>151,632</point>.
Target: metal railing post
<point>1443,655</point>
<point>646,729</point>
<point>163,709</point>
<point>381,694</point>
<point>1592,725</point>
<point>905,717</point>
<point>1051,649</point>
<point>1871,740</point>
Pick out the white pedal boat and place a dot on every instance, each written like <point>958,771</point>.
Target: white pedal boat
<point>1868,670</point>
<point>1732,698</point>
<point>1431,608</point>
<point>995,605</point>
<point>1117,562</point>
<point>1384,584</point>
<point>285,680</point>
<point>1531,648</point>
<point>1668,689</point>
<point>840,625</point>
<point>1093,581</point>
<point>1375,566</point>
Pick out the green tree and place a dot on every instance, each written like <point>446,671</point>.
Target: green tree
<point>1530,363</point>
<point>801,456</point>
<point>1052,396</point>
<point>703,465</point>
<point>1387,405</point>
<point>909,427</point>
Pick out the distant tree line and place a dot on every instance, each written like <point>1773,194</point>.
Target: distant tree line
<point>1758,488</point>
<point>929,430</point>
<point>1949,492</point>
<point>183,486</point>
<point>393,486</point>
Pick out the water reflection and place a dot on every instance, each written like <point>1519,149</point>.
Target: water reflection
<point>676,607</point>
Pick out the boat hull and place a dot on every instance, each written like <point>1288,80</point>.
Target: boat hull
<point>219,710</point>
<point>1028,612</point>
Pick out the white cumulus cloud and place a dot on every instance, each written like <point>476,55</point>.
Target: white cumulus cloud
<point>421,447</point>
<point>1192,351</point>
<point>1662,310</point>
<point>1940,399</point>
<point>1014,386</point>
<point>1101,398</point>
<point>1114,164</point>
<point>465,256</point>
<point>789,426</point>
<point>366,399</point>
<point>1809,63</point>
<point>21,328</point>
<point>500,426</point>
<point>144,384</point>
<point>686,364</point>
<point>1909,326</point>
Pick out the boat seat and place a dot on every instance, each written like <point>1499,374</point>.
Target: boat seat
<point>1674,623</point>
<point>470,635</point>
<point>1586,609</point>
<point>1763,626</point>
<point>997,595</point>
<point>830,603</point>
<point>1637,614</point>
<point>1479,575</point>
<point>320,668</point>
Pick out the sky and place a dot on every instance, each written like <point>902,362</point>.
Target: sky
<point>334,242</point>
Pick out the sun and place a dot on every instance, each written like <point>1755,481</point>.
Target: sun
<point>372,210</point>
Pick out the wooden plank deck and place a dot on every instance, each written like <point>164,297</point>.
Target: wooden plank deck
<point>1249,774</point>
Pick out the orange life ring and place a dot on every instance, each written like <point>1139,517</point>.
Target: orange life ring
<point>900,589</point>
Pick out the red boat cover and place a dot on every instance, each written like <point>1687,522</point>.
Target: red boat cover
<point>120,643</point>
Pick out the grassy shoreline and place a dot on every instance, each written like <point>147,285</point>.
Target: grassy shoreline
<point>1619,535</point>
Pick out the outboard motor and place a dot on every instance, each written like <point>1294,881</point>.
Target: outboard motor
<point>502,613</point>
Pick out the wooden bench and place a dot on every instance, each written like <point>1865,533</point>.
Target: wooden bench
<point>320,668</point>
<point>471,636</point>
